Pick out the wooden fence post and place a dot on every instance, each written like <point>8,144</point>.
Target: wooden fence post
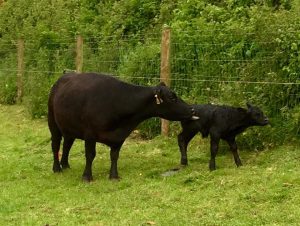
<point>79,54</point>
<point>165,70</point>
<point>20,72</point>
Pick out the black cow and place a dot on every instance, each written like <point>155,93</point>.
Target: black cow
<point>220,122</point>
<point>100,108</point>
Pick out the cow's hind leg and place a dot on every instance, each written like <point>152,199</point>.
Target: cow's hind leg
<point>64,162</point>
<point>55,144</point>
<point>114,156</point>
<point>183,140</point>
<point>90,153</point>
<point>233,147</point>
<point>56,137</point>
<point>214,145</point>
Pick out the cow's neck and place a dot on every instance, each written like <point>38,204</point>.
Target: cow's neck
<point>147,109</point>
<point>141,104</point>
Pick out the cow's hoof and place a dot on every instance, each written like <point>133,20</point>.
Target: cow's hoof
<point>56,169</point>
<point>65,166</point>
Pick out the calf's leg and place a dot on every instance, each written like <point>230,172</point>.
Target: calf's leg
<point>214,145</point>
<point>233,147</point>
<point>68,142</point>
<point>90,153</point>
<point>183,140</point>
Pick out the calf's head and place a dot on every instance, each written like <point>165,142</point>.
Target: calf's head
<point>257,117</point>
<point>170,106</point>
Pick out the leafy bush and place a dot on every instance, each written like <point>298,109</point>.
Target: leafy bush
<point>8,90</point>
<point>8,77</point>
<point>226,52</point>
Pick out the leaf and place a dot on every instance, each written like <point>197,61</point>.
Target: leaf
<point>294,46</point>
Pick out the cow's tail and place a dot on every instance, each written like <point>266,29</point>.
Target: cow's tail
<point>56,134</point>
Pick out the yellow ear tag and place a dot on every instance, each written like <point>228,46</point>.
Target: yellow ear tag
<point>157,99</point>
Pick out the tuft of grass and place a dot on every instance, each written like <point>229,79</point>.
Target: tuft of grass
<point>265,191</point>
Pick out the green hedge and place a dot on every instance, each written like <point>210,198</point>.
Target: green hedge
<point>225,52</point>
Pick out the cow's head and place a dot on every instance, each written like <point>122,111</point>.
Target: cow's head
<point>170,106</point>
<point>257,116</point>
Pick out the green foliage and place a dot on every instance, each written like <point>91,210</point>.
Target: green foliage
<point>239,54</point>
<point>8,90</point>
<point>149,128</point>
<point>37,96</point>
<point>225,52</point>
<point>143,59</point>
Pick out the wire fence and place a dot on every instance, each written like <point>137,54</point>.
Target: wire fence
<point>229,69</point>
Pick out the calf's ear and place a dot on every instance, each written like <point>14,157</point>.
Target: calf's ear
<point>249,105</point>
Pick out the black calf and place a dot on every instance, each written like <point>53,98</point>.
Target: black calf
<point>220,122</point>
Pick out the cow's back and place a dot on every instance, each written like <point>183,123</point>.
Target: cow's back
<point>96,106</point>
<point>75,99</point>
<point>73,92</point>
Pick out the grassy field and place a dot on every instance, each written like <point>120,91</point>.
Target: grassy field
<point>265,191</point>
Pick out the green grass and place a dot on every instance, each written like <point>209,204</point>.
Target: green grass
<point>265,191</point>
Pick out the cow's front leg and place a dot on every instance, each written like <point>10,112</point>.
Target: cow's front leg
<point>214,145</point>
<point>90,153</point>
<point>114,156</point>
<point>233,147</point>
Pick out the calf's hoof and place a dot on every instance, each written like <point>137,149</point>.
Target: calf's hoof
<point>239,164</point>
<point>184,162</point>
<point>212,167</point>
<point>114,177</point>
<point>87,178</point>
